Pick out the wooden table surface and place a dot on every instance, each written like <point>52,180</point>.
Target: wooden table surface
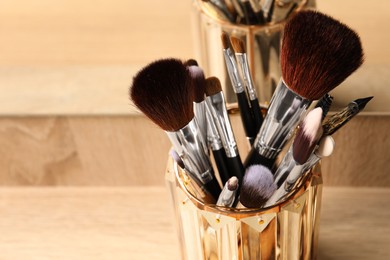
<point>136,223</point>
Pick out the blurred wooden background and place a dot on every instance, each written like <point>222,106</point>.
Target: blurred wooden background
<point>65,69</point>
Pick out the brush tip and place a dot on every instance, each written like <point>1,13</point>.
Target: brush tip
<point>199,83</point>
<point>162,90</point>
<point>232,183</point>
<point>257,186</point>
<point>318,53</point>
<point>175,156</point>
<point>225,40</point>
<point>308,134</point>
<point>362,102</point>
<point>213,86</point>
<point>191,62</point>
<point>237,44</point>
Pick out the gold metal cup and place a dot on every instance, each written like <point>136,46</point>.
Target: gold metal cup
<point>288,230</point>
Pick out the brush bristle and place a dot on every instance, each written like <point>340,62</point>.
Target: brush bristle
<point>199,83</point>
<point>162,91</point>
<point>257,186</point>
<point>225,40</point>
<point>309,132</point>
<point>175,156</point>
<point>318,53</point>
<point>213,86</point>
<point>232,183</point>
<point>237,44</point>
<point>191,62</point>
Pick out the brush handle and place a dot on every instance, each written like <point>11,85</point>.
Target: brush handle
<point>254,157</point>
<point>246,116</point>
<point>257,115</point>
<point>213,188</point>
<point>221,162</point>
<point>236,168</point>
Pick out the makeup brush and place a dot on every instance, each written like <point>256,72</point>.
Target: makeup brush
<point>239,89</point>
<point>304,143</point>
<point>221,7</point>
<point>216,103</point>
<point>162,91</point>
<point>215,143</point>
<point>191,62</point>
<point>176,158</point>
<point>325,103</point>
<point>257,186</point>
<point>336,121</point>
<point>228,194</point>
<point>242,60</point>
<point>325,149</point>
<point>199,101</point>
<point>318,53</point>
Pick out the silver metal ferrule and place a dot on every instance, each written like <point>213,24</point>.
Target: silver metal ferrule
<point>213,138</point>
<point>227,197</point>
<point>231,66</point>
<point>284,113</point>
<point>242,61</point>
<point>218,110</point>
<point>200,115</point>
<point>190,145</point>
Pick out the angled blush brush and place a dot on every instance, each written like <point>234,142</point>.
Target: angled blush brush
<point>318,53</point>
<point>216,102</point>
<point>242,60</point>
<point>239,89</point>
<point>162,91</point>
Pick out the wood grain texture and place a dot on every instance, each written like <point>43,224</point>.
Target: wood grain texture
<point>137,223</point>
<point>130,150</point>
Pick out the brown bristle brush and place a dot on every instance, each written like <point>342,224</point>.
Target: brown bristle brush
<point>199,97</point>
<point>163,91</point>
<point>318,53</point>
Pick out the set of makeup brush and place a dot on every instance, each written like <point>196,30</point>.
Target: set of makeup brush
<point>317,54</point>
<point>251,12</point>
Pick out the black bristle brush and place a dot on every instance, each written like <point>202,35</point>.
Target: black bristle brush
<point>216,103</point>
<point>318,53</point>
<point>163,91</point>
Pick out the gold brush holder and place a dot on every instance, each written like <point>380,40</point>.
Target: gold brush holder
<point>262,47</point>
<point>288,230</point>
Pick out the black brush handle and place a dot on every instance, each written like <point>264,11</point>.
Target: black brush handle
<point>236,168</point>
<point>255,158</point>
<point>257,115</point>
<point>246,117</point>
<point>221,162</point>
<point>213,188</point>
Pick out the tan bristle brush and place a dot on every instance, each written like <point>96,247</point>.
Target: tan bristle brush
<point>239,89</point>
<point>242,60</point>
<point>163,91</point>
<point>318,53</point>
